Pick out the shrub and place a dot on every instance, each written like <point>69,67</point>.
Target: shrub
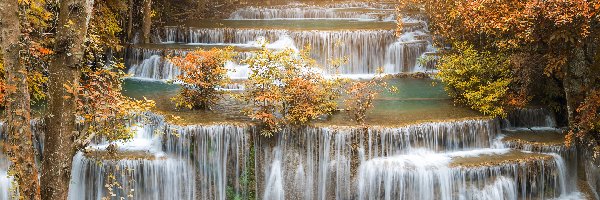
<point>202,74</point>
<point>480,80</point>
<point>285,89</point>
<point>361,95</point>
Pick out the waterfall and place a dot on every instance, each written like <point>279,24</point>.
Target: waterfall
<point>150,63</point>
<point>428,175</point>
<point>165,161</point>
<point>502,188</point>
<point>155,67</point>
<point>219,153</point>
<point>440,136</point>
<point>437,160</point>
<point>160,178</point>
<point>366,50</point>
<point>307,13</point>
<point>320,162</point>
<point>5,180</point>
<point>530,117</point>
<point>274,189</point>
<point>337,10</point>
<point>399,56</point>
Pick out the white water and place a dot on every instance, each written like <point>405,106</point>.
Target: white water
<point>143,179</point>
<point>530,117</point>
<point>274,188</point>
<point>412,162</point>
<point>311,13</point>
<point>366,50</point>
<point>5,180</point>
<point>203,162</point>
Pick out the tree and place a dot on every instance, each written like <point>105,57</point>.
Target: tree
<point>285,89</point>
<point>361,94</point>
<point>203,74</point>
<point>147,21</point>
<point>20,138</point>
<point>480,80</point>
<point>560,36</point>
<point>64,76</point>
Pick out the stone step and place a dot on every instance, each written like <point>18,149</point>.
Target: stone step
<point>547,140</point>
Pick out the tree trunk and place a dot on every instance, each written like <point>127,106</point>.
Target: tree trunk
<point>147,24</point>
<point>20,139</point>
<point>64,73</point>
<point>575,81</point>
<point>130,21</point>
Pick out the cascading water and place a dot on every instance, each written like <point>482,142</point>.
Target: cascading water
<point>467,159</point>
<point>157,178</point>
<point>366,49</point>
<point>220,154</point>
<point>321,163</point>
<point>5,180</point>
<point>299,11</point>
<point>155,67</point>
<point>426,175</point>
<point>530,117</point>
<point>181,162</point>
<point>442,160</point>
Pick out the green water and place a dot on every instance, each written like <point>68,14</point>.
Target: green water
<point>417,100</point>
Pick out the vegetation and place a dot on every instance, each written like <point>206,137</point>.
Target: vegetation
<point>588,122</point>
<point>480,80</point>
<point>284,89</point>
<point>17,102</point>
<point>247,182</point>
<point>360,96</point>
<point>551,47</point>
<point>62,53</point>
<point>203,73</point>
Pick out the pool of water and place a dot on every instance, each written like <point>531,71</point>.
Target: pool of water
<point>417,100</point>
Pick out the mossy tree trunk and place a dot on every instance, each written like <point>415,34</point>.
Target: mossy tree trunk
<point>64,73</point>
<point>20,139</point>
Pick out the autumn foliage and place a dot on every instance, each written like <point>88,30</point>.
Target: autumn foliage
<point>285,89</point>
<point>480,80</point>
<point>203,74</point>
<point>588,122</point>
<point>361,94</point>
<point>551,47</point>
<point>104,111</point>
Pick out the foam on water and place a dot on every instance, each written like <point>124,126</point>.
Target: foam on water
<point>428,175</point>
<point>158,179</point>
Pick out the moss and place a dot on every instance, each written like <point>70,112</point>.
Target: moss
<point>247,181</point>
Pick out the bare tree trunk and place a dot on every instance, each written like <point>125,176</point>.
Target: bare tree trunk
<point>20,138</point>
<point>147,24</point>
<point>64,73</point>
<point>130,21</point>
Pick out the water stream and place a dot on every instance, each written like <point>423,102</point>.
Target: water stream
<point>419,147</point>
<point>362,32</point>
